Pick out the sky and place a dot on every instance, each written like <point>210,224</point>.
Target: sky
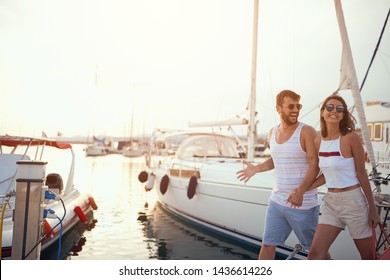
<point>126,67</point>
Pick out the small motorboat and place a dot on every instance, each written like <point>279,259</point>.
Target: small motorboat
<point>63,205</point>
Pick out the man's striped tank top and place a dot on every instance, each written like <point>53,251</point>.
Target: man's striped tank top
<point>291,164</point>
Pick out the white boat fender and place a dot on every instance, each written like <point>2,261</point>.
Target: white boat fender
<point>150,183</point>
<point>164,184</point>
<point>192,187</point>
<point>143,176</point>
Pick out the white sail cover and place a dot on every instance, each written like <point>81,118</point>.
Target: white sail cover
<point>348,80</point>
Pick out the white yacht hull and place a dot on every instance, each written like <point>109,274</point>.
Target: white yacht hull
<point>232,208</point>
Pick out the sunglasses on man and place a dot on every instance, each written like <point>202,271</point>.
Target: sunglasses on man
<point>291,106</point>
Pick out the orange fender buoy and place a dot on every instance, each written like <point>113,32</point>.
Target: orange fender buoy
<point>92,203</point>
<point>192,187</point>
<point>164,184</point>
<point>80,213</point>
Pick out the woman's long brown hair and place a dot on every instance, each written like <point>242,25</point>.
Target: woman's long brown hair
<point>346,125</point>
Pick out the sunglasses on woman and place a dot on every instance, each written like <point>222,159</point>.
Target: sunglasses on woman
<point>330,107</point>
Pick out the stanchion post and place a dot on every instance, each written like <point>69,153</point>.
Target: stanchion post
<point>28,213</point>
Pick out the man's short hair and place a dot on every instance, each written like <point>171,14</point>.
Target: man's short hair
<point>286,93</point>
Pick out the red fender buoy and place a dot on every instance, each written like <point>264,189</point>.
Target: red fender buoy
<point>80,214</point>
<point>47,229</point>
<point>92,203</point>
<point>164,184</point>
<point>143,176</point>
<point>192,187</point>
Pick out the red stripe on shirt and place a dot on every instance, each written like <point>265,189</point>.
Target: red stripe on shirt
<point>329,154</point>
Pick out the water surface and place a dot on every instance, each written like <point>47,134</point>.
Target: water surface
<point>130,224</point>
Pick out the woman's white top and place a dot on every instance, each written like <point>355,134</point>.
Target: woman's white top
<point>339,172</point>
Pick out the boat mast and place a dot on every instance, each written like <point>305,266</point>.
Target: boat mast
<point>348,80</point>
<point>252,100</point>
<point>131,124</point>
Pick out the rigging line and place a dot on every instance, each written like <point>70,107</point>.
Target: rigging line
<point>311,110</point>
<point>48,233</point>
<point>376,49</point>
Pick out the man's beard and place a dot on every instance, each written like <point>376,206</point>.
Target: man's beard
<point>286,119</point>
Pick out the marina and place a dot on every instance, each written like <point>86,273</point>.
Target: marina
<point>199,183</point>
<point>130,225</point>
<point>176,195</point>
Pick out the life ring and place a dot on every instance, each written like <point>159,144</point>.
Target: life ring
<point>192,187</point>
<point>164,184</point>
<point>143,176</point>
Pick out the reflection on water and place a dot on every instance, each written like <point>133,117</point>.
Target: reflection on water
<point>129,223</point>
<point>77,246</point>
<point>71,243</point>
<point>171,238</point>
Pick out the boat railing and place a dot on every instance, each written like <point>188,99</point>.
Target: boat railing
<point>6,204</point>
<point>380,178</point>
<point>297,249</point>
<point>7,209</point>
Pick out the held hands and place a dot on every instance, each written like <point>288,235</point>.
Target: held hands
<point>295,198</point>
<point>248,172</point>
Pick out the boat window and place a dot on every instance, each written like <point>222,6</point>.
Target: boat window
<point>370,127</point>
<point>378,131</point>
<point>8,163</point>
<point>260,148</point>
<point>168,144</point>
<point>208,146</point>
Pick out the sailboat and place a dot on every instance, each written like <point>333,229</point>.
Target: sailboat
<point>374,129</point>
<point>132,149</point>
<point>198,183</point>
<point>378,124</point>
<point>97,148</point>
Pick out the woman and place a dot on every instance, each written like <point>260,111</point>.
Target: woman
<point>349,200</point>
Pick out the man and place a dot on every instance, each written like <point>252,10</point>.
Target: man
<point>295,161</point>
